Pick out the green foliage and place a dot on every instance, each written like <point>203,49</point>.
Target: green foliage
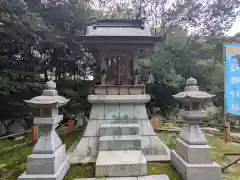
<point>29,46</point>
<point>39,38</point>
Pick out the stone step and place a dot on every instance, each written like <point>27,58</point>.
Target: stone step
<point>118,143</point>
<point>152,177</point>
<point>120,163</point>
<point>119,129</point>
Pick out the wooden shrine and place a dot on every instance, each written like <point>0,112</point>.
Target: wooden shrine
<point>115,45</point>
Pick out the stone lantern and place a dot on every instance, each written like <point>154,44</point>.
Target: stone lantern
<point>48,160</point>
<point>193,157</point>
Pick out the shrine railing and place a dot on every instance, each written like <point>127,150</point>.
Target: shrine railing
<point>120,89</point>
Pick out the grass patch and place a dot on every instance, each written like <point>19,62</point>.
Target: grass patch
<point>13,163</point>
<point>158,168</point>
<point>218,149</point>
<point>88,171</point>
<point>80,171</point>
<point>6,143</point>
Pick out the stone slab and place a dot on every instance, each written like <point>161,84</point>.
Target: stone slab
<point>46,163</point>
<point>140,111</point>
<point>194,154</point>
<point>195,171</point>
<point>111,110</point>
<point>119,98</point>
<point>59,175</point>
<point>119,129</point>
<point>93,126</point>
<point>153,177</point>
<point>121,163</point>
<point>115,143</point>
<point>127,110</point>
<point>153,145</point>
<point>145,128</point>
<point>97,111</point>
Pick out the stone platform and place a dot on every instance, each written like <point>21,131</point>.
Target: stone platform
<point>153,177</point>
<point>113,115</point>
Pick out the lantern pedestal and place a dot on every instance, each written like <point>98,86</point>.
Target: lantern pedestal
<point>47,166</point>
<point>193,157</point>
<point>49,155</point>
<point>195,171</point>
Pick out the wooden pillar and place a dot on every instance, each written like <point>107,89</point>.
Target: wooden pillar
<point>103,66</point>
<point>227,129</point>
<point>35,134</point>
<point>135,67</point>
<point>70,127</point>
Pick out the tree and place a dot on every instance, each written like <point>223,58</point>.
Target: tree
<point>29,46</point>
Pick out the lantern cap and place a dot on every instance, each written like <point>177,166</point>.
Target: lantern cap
<point>49,97</point>
<point>191,82</point>
<point>50,85</point>
<point>192,93</point>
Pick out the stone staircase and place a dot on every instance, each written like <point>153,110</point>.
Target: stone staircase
<point>120,153</point>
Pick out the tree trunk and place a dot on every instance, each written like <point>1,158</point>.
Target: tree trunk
<point>46,74</point>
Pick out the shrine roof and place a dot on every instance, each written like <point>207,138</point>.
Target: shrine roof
<point>118,28</point>
<point>118,31</point>
<point>124,31</point>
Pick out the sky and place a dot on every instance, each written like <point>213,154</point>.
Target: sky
<point>235,28</point>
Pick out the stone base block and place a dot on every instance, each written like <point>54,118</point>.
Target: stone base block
<point>195,171</point>
<point>59,175</point>
<point>153,177</point>
<point>121,163</point>
<point>118,143</point>
<point>119,129</point>
<point>46,163</point>
<point>194,154</point>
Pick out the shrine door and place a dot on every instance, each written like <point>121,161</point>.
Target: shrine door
<point>119,69</point>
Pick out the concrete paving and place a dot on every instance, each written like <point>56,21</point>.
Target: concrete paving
<point>154,177</point>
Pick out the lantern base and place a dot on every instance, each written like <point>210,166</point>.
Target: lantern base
<point>190,153</point>
<point>59,175</point>
<point>195,171</point>
<point>47,166</point>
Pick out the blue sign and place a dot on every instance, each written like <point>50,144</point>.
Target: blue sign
<point>232,79</point>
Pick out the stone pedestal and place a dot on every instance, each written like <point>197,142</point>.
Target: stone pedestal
<point>193,157</point>
<point>48,160</point>
<point>119,115</point>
